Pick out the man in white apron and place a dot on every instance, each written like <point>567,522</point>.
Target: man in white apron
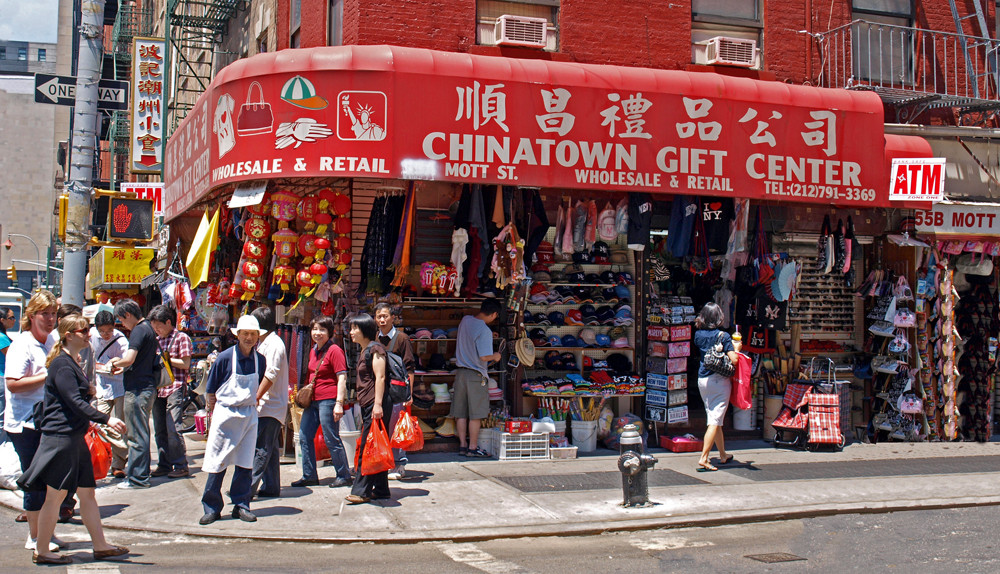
<point>232,435</point>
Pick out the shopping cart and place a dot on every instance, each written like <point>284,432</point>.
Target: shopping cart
<point>810,411</point>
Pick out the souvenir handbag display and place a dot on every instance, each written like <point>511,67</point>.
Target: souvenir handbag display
<point>304,396</point>
<point>910,405</point>
<point>717,361</point>
<point>255,114</point>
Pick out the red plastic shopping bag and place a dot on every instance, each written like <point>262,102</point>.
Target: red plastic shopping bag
<point>402,436</point>
<point>100,452</point>
<point>742,389</point>
<point>418,435</point>
<point>378,454</point>
<point>322,452</point>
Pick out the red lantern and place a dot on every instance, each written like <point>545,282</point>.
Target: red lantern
<point>304,279</point>
<point>317,269</point>
<point>341,205</point>
<point>326,198</point>
<point>252,269</point>
<point>283,275</point>
<point>283,205</point>
<point>343,258</point>
<point>342,226</point>
<point>257,228</point>
<point>308,209</point>
<point>262,208</point>
<point>284,243</point>
<point>343,243</point>
<point>307,247</point>
<point>250,287</point>
<point>322,243</point>
<point>254,249</point>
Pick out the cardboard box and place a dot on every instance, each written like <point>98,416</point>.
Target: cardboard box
<point>515,427</point>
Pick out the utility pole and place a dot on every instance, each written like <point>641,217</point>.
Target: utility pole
<point>84,151</point>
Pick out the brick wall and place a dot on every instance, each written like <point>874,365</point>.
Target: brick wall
<point>646,33</point>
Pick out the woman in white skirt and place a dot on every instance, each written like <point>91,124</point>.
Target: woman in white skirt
<point>714,388</point>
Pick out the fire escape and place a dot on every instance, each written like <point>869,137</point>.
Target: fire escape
<point>915,70</point>
<point>133,19</point>
<point>194,30</point>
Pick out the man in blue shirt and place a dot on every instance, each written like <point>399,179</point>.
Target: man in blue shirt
<point>473,353</point>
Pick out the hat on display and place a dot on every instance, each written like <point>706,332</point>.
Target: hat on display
<point>541,319</point>
<point>592,278</point>
<point>622,293</point>
<point>555,341</point>
<point>447,428</point>
<point>557,318</point>
<point>441,394</point>
<point>574,317</point>
<point>247,323</point>
<point>619,343</point>
<point>619,258</point>
<point>570,341</point>
<point>452,332</point>
<point>619,363</point>
<point>541,274</point>
<point>553,361</point>
<point>625,278</point>
<point>566,294</point>
<point>425,428</point>
<point>422,398</point>
<point>588,363</point>
<point>538,293</point>
<point>537,333</point>
<point>558,276</point>
<point>601,253</point>
<point>610,295</point>
<point>582,294</point>
<point>623,316</point>
<point>440,334</point>
<point>525,350</point>
<point>569,361</point>
<point>597,295</point>
<point>437,362</point>
<point>581,257</point>
<point>608,278</point>
<point>423,334</point>
<point>602,340</point>
<point>605,315</point>
<point>588,337</point>
<point>575,274</point>
<point>545,252</point>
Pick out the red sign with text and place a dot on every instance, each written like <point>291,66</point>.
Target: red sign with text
<point>390,112</point>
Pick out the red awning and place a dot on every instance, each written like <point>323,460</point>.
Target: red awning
<point>392,112</point>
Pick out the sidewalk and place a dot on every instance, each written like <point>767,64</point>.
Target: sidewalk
<point>445,497</point>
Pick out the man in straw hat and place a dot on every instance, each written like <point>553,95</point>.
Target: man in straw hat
<point>232,436</point>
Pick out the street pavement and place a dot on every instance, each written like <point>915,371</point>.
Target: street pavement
<point>446,497</point>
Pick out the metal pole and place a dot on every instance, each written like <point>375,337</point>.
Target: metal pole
<point>84,152</point>
<point>38,254</point>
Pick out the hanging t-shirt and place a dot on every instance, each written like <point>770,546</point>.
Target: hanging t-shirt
<point>640,213</point>
<point>682,214</point>
<point>717,214</point>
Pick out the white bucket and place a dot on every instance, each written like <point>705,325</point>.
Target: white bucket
<point>585,435</point>
<point>560,428</point>
<point>298,452</point>
<point>772,407</point>
<point>350,440</point>
<point>743,419</point>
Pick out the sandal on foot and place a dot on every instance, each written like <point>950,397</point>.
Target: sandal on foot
<point>463,451</point>
<point>478,453</point>
<point>726,460</point>
<point>707,467</point>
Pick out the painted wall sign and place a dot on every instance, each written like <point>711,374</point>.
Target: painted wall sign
<point>391,112</point>
<point>147,105</point>
<point>917,179</point>
<point>960,219</point>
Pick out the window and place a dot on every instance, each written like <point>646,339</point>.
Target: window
<point>22,53</point>
<point>294,23</point>
<point>262,42</point>
<point>487,12</point>
<point>3,52</point>
<point>336,23</point>
<point>41,54</point>
<point>882,45</point>
<point>731,18</point>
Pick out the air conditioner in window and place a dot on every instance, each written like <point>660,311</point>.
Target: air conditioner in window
<point>731,51</point>
<point>521,31</point>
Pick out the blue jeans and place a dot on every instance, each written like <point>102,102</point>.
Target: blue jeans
<point>239,490</point>
<point>398,454</point>
<point>170,448</point>
<point>320,413</point>
<point>138,405</point>
<point>266,460</point>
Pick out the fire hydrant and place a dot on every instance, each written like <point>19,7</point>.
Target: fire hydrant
<point>634,464</point>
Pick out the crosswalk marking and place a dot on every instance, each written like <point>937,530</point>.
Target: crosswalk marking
<point>470,555</point>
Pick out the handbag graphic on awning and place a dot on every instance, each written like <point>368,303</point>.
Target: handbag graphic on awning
<point>255,115</point>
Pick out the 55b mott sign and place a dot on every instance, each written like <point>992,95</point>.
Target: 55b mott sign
<point>917,179</point>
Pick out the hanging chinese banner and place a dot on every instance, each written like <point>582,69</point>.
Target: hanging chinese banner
<point>391,112</point>
<point>146,154</point>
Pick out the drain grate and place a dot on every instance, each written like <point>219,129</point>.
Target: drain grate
<point>592,481</point>
<point>774,557</point>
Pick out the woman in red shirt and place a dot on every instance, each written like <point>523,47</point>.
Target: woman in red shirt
<point>328,370</point>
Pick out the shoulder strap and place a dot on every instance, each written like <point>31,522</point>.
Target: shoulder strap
<point>108,346</point>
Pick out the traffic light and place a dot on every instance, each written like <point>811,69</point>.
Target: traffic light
<point>130,219</point>
<point>12,274</point>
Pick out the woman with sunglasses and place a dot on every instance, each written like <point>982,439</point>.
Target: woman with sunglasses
<point>62,461</point>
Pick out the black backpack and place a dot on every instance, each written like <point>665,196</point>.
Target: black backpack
<point>397,380</point>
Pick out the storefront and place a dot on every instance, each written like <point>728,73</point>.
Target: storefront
<point>539,182</point>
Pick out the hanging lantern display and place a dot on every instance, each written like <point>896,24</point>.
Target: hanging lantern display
<point>285,241</point>
<point>304,280</point>
<point>261,209</point>
<point>307,211</point>
<point>283,207</point>
<point>322,245</point>
<point>254,249</point>
<point>343,243</point>
<point>257,228</point>
<point>283,276</point>
<point>342,226</point>
<point>340,205</point>
<point>252,269</point>
<point>251,286</point>
<point>342,258</point>
<point>307,247</point>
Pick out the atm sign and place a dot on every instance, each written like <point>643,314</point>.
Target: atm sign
<point>917,179</point>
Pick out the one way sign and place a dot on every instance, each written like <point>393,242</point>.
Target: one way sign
<point>61,91</point>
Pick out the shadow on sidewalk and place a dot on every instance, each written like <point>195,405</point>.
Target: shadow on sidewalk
<point>109,510</point>
<point>276,511</point>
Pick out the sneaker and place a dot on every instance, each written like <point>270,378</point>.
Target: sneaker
<point>30,544</point>
<point>160,472</point>
<point>397,473</point>
<point>129,485</point>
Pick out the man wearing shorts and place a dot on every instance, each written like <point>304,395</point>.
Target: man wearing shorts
<point>473,352</point>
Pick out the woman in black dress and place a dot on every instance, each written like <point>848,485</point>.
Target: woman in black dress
<point>373,397</point>
<point>62,462</point>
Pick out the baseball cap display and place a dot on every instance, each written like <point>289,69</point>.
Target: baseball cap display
<point>619,258</point>
<point>582,294</point>
<point>555,341</point>
<point>625,277</point>
<point>588,337</point>
<point>570,341</point>
<point>557,318</point>
<point>602,340</point>
<point>569,361</point>
<point>541,274</point>
<point>574,317</point>
<point>601,253</point>
<point>622,292</point>
<point>575,274</point>
<point>581,257</point>
<point>552,360</point>
<point>545,252</point>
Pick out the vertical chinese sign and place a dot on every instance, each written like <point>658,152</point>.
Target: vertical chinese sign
<point>147,106</point>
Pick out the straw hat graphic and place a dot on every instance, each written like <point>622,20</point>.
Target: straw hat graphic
<point>300,92</point>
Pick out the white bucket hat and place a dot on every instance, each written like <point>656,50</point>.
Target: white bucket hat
<point>247,323</point>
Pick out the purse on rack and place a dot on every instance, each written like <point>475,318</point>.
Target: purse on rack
<point>717,361</point>
<point>304,396</point>
<point>255,114</point>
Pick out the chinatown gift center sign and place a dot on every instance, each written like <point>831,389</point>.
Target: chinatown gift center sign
<point>146,150</point>
<point>391,112</point>
<point>119,266</point>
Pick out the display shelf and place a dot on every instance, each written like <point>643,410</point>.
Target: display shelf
<point>586,395</point>
<point>439,301</point>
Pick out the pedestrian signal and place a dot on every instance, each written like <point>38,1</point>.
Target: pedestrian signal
<point>130,219</point>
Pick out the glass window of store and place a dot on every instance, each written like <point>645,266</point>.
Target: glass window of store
<point>487,12</point>
<point>732,18</point>
<point>295,24</point>
<point>882,42</point>
<point>336,23</point>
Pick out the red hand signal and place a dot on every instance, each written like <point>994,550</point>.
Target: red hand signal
<point>122,218</point>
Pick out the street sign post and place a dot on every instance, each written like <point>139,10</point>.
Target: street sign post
<point>61,91</point>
